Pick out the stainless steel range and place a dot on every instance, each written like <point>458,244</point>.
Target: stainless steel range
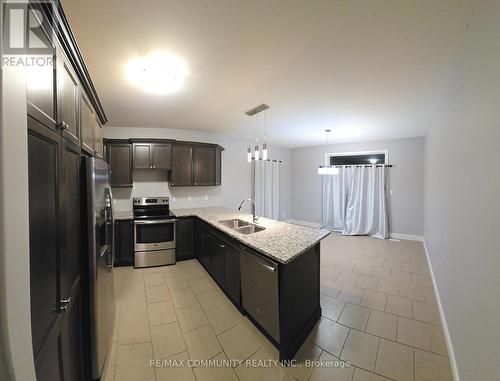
<point>154,232</point>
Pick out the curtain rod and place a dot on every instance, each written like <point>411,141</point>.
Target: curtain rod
<point>357,166</point>
<point>279,161</point>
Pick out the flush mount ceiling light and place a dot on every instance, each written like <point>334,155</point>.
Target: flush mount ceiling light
<point>157,73</point>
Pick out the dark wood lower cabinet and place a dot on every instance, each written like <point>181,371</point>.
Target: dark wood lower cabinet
<point>124,243</point>
<point>72,337</point>
<point>297,285</point>
<point>55,255</point>
<point>184,238</point>
<point>218,259</point>
<point>232,278</point>
<point>220,255</point>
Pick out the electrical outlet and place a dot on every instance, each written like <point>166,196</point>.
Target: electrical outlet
<point>206,197</point>
<point>189,198</point>
<point>173,199</point>
<point>390,192</point>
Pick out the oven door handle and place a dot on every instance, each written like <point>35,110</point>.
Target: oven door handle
<point>151,222</point>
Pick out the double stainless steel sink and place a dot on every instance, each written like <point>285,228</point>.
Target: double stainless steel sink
<point>241,226</point>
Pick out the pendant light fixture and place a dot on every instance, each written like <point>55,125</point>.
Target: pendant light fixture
<point>264,145</point>
<point>256,152</point>
<point>327,169</point>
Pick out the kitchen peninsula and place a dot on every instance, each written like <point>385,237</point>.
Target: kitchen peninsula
<point>269,269</point>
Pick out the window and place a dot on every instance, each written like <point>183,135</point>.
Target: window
<point>357,158</point>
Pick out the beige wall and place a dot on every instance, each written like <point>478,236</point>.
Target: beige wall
<point>462,197</point>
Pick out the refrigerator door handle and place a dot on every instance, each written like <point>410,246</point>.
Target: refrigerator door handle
<point>112,209</point>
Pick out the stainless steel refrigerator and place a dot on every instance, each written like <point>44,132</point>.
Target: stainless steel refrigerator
<point>100,234</point>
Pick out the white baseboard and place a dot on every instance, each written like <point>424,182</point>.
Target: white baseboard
<point>304,223</point>
<point>408,237</point>
<point>446,332</point>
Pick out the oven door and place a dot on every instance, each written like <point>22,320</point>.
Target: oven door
<point>154,235</point>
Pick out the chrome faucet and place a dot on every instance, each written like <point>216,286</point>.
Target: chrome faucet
<point>255,217</point>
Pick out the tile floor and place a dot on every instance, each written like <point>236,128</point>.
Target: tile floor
<point>379,313</point>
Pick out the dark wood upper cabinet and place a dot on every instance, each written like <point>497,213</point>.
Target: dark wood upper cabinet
<point>119,157</point>
<point>182,165</point>
<point>218,165</point>
<point>67,105</point>
<point>191,164</point>
<point>142,156</point>
<point>152,155</point>
<point>162,156</point>
<point>98,144</point>
<point>87,124</point>
<point>203,165</point>
<point>196,164</point>
<point>40,88</point>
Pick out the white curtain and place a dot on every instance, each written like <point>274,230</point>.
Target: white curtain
<point>354,201</point>
<point>267,188</point>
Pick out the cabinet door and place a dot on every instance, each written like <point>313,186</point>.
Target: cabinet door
<point>232,272</point>
<point>125,242</point>
<point>69,217</point>
<point>87,124</point>
<point>72,341</point>
<point>67,106</point>
<point>98,145</point>
<point>40,87</point>
<point>197,238</point>
<point>203,165</point>
<point>142,156</point>
<point>184,239</point>
<point>162,156</point>
<point>218,260</point>
<point>205,248</point>
<point>182,165</point>
<point>43,173</point>
<point>120,160</point>
<point>218,166</point>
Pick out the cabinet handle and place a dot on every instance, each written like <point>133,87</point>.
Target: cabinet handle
<point>65,304</point>
<point>222,246</point>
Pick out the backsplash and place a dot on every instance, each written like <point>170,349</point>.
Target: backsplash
<point>152,183</point>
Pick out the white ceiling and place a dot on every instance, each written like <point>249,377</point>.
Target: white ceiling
<point>365,69</point>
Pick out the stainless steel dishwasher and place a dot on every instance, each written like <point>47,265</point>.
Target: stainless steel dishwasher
<point>259,291</point>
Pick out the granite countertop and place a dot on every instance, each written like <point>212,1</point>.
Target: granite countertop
<point>280,241</point>
<point>124,215</point>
